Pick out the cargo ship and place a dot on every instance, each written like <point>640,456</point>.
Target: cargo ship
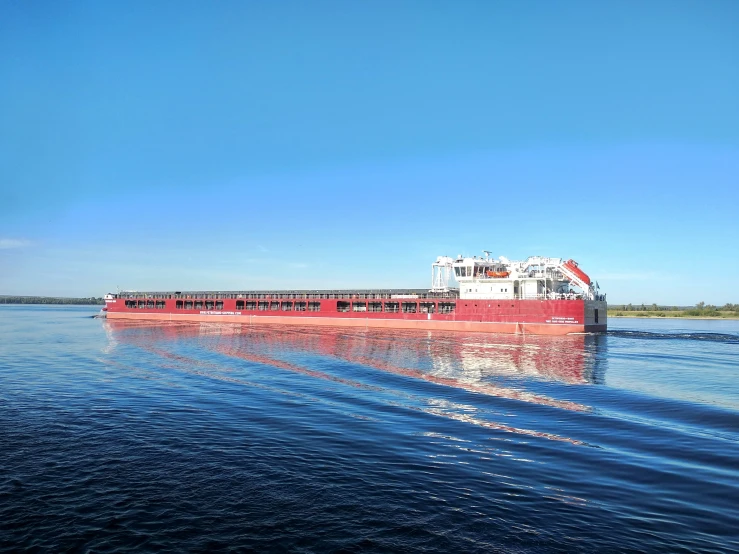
<point>538,295</point>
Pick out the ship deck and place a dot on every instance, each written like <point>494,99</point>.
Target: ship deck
<point>292,294</point>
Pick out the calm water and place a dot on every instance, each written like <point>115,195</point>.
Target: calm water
<point>202,437</point>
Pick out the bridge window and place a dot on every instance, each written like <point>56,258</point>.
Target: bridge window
<point>375,307</point>
<point>178,304</point>
<point>342,306</point>
<point>251,305</point>
<point>188,304</point>
<point>239,304</point>
<point>446,307</point>
<point>264,306</point>
<point>410,307</point>
<point>359,306</point>
<point>391,307</point>
<point>209,305</point>
<point>287,306</point>
<point>219,305</point>
<point>428,307</point>
<point>160,304</point>
<point>274,306</point>
<point>314,306</point>
<point>300,306</point>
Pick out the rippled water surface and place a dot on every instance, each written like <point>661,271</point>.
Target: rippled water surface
<point>206,437</point>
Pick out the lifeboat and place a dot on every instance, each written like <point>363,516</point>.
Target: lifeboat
<point>498,274</point>
<point>572,266</point>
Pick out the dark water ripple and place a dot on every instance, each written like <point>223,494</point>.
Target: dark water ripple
<point>141,437</point>
<point>702,336</point>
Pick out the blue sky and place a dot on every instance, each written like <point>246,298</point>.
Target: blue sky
<point>188,145</point>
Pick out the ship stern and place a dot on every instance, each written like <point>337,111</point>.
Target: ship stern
<point>596,316</point>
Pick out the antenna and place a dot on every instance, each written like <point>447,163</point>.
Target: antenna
<point>487,253</point>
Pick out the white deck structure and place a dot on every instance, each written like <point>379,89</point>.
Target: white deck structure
<point>536,277</point>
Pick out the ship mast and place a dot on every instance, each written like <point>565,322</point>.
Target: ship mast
<point>441,273</point>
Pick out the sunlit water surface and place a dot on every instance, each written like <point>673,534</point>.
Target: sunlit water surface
<point>200,437</point>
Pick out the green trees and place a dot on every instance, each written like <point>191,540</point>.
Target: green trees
<point>701,309</point>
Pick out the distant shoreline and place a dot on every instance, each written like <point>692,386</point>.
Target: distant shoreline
<point>663,315</point>
<point>11,300</point>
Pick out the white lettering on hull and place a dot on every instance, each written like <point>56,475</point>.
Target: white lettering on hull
<point>212,312</point>
<point>562,319</point>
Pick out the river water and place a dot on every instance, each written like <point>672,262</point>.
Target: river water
<point>205,437</point>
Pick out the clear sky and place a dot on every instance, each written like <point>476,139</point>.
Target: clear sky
<point>236,145</point>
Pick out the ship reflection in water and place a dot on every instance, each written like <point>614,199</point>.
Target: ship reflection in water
<point>489,364</point>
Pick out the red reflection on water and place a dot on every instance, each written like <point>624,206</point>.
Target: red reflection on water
<point>457,360</point>
<point>464,361</point>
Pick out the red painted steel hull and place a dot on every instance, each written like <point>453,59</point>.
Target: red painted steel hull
<point>547,317</point>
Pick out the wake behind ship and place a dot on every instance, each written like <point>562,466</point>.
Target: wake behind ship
<point>538,295</point>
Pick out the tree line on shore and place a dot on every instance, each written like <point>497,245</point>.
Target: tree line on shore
<point>701,309</point>
<point>49,300</point>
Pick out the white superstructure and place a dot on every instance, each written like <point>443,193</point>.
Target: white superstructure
<point>536,277</point>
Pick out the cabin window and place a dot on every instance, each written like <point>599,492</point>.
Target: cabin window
<point>251,305</point>
<point>219,305</point>
<point>359,306</point>
<point>142,304</point>
<point>159,304</point>
<point>428,307</point>
<point>274,306</point>
<point>188,304</point>
<point>342,306</point>
<point>300,306</point>
<point>264,306</point>
<point>392,307</point>
<point>178,304</point>
<point>375,307</point>
<point>239,304</point>
<point>446,307</point>
<point>456,272</point>
<point>287,306</point>
<point>314,306</point>
<point>410,307</point>
<point>209,305</point>
<point>198,304</point>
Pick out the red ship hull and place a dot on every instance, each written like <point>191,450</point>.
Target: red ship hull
<point>547,317</point>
